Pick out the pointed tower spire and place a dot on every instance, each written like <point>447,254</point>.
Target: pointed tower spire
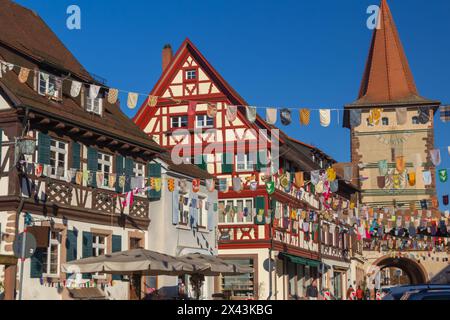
<point>387,77</point>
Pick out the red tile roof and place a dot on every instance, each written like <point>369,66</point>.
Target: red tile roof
<point>387,78</point>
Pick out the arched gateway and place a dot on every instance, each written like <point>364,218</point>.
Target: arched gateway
<point>412,269</point>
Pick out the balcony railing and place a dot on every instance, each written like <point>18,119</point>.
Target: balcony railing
<point>58,192</point>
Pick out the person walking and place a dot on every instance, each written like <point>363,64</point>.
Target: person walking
<point>312,293</point>
<point>350,291</point>
<point>367,294</point>
<point>359,293</point>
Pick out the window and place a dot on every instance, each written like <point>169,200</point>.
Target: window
<point>243,162</point>
<point>191,74</point>
<point>135,243</point>
<point>58,158</point>
<point>50,86</point>
<point>239,205</point>
<point>241,285</point>
<point>94,105</point>
<point>415,120</point>
<point>179,122</point>
<point>98,245</point>
<point>105,166</point>
<point>51,256</point>
<point>385,121</point>
<point>203,121</point>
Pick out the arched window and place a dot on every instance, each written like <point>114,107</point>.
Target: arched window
<point>385,121</point>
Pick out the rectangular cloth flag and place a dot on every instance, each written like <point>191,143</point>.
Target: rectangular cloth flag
<point>445,114</point>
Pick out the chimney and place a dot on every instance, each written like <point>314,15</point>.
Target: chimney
<point>166,56</point>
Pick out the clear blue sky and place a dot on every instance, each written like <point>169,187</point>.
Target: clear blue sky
<point>282,53</point>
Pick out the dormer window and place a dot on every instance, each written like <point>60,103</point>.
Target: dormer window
<point>50,86</point>
<point>94,105</point>
<point>191,74</point>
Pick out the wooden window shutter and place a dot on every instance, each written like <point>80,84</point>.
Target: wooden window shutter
<point>226,167</point>
<point>116,247</point>
<point>43,148</point>
<point>71,246</point>
<point>37,264</point>
<point>87,250</point>
<point>129,164</point>
<point>76,155</point>
<point>119,171</point>
<point>154,171</point>
<point>92,164</point>
<point>261,162</point>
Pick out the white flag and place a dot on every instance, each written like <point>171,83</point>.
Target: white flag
<point>75,89</point>
<point>132,100</point>
<point>93,91</point>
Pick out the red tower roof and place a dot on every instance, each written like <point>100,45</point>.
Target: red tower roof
<point>387,78</point>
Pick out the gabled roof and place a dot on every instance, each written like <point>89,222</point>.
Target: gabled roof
<point>387,78</point>
<point>145,113</point>
<point>25,40</point>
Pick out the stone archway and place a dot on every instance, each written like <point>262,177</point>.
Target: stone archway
<point>415,271</point>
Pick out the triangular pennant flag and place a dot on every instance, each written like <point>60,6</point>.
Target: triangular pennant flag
<point>152,101</point>
<point>305,117</point>
<point>402,115</point>
<point>113,95</point>
<point>383,167</point>
<point>375,116</point>
<point>132,100</point>
<point>23,74</point>
<point>436,157</point>
<point>195,185</point>
<point>211,111</point>
<point>93,91</point>
<point>443,175</point>
<point>325,117</point>
<point>270,187</point>
<point>251,114</point>
<point>231,113</point>
<point>381,181</point>
<point>400,163</point>
<point>75,89</point>
<point>285,117</point>
<point>412,179</point>
<point>427,179</point>
<point>445,200</point>
<point>271,115</point>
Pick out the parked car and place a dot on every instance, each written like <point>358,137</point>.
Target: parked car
<point>427,294</point>
<point>396,293</point>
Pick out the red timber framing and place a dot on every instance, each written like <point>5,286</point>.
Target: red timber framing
<point>174,91</point>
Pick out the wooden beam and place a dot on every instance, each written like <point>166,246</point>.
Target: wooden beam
<point>45,121</point>
<point>88,134</point>
<point>125,146</point>
<point>74,130</point>
<point>114,143</point>
<point>102,139</point>
<point>60,126</point>
<point>137,149</point>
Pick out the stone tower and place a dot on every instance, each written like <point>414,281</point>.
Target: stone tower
<point>391,120</point>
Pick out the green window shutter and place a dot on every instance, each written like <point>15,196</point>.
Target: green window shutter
<point>119,171</point>
<point>116,247</point>
<point>76,155</point>
<point>154,171</point>
<point>262,160</point>
<point>260,204</point>
<point>200,162</point>
<point>227,167</point>
<point>37,264</point>
<point>71,246</point>
<point>129,165</point>
<point>87,250</point>
<point>92,164</point>
<point>43,148</point>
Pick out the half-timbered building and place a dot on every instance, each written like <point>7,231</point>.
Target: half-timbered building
<point>276,233</point>
<point>62,159</point>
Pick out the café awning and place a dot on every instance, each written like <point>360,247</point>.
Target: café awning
<point>301,260</point>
